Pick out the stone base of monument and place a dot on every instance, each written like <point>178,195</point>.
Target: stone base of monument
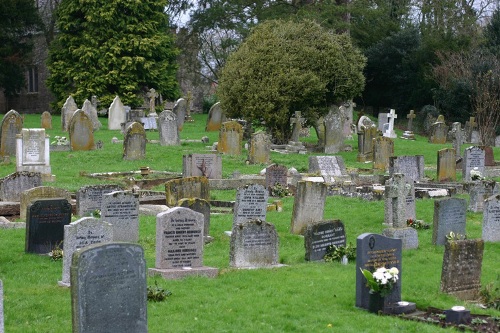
<point>401,307</point>
<point>408,235</point>
<point>63,284</point>
<point>259,267</point>
<point>296,147</point>
<point>179,273</point>
<point>364,157</point>
<point>408,135</point>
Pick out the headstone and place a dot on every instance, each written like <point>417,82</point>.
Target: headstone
<point>346,110</point>
<point>189,187</point>
<point>461,273</point>
<point>449,216</point>
<point>308,206</point>
<point>489,158</point>
<point>81,132</point>
<point>411,166</point>
<point>108,289</point>
<point>318,237</point>
<point>215,118</point>
<point>254,244</point>
<point>134,144</point>
<point>10,127</point>
<point>329,167</point>
<point>446,165</point>
<point>11,186</point>
<point>81,233</point>
<point>230,138</point>
<point>41,192</point>
<point>33,152</point>
<point>458,137</point>
<point>365,143</point>
<point>491,219</point>
<point>68,109</point>
<point>250,204</point>
<point>46,120</point>
<point>276,174</point>
<point>374,251</point>
<point>438,132</point>
<point>365,122</point>
<point>480,191</point>
<point>334,131</point>
<point>200,206</point>
<point>167,126</point>
<point>408,134</point>
<point>296,123</point>
<point>382,120</point>
<point>152,94</point>
<point>89,198</point>
<point>116,114</point>
<point>45,221</point>
<point>180,110</point>
<point>390,129</point>
<point>473,158</point>
<point>206,165</point>
<point>470,127</point>
<point>383,148</point>
<point>121,209</point>
<point>179,244</point>
<point>260,147</point>
<point>91,112</point>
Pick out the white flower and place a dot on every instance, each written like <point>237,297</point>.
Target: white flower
<point>394,271</point>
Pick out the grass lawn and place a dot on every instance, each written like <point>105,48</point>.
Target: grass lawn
<point>301,297</point>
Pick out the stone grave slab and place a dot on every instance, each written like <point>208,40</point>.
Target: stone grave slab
<point>134,143</point>
<point>383,148</point>
<point>411,166</point>
<point>230,138</point>
<point>40,192</point>
<point>89,198</point>
<point>334,131</point>
<point>366,134</point>
<point>10,126</point>
<point>449,216</point>
<point>189,187</point>
<point>438,133</point>
<point>121,209</point>
<point>250,204</point>
<point>168,128</point>
<point>329,167</point>
<point>206,165</point>
<point>180,111</point>
<point>11,186</point>
<point>321,235</point>
<point>33,152</point>
<point>81,131</point>
<point>215,118</point>
<point>308,205</point>
<point>276,174</point>
<point>68,109</point>
<point>46,120</point>
<point>116,114</point>
<point>91,112</point>
<point>382,120</point>
<point>260,147</point>
<point>491,219</point>
<point>474,159</point>
<point>446,165</point>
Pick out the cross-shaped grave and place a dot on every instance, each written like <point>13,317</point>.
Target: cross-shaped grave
<point>390,129</point>
<point>296,122</point>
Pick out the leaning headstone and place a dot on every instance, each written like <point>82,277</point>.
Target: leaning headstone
<point>134,144</point>
<point>46,120</point>
<point>411,166</point>
<point>250,204</point>
<point>121,209</point>
<point>91,112</point>
<point>179,245</point>
<point>260,147</point>
<point>180,110</point>
<point>215,118</point>
<point>446,165</point>
<point>81,233</point>
<point>480,191</point>
<point>366,134</point>
<point>383,148</point>
<point>45,221</point>
<point>389,131</point>
<point>438,132</point>
<point>206,165</point>
<point>449,216</point>
<point>230,138</point>
<point>276,174</point>
<point>473,158</point>
<point>11,186</point>
<point>68,109</point>
<point>254,244</point>
<point>334,131</point>
<point>189,187</point>
<point>168,128</point>
<point>81,132</point>
<point>33,152</point>
<point>10,126</point>
<point>41,192</point>
<point>108,289</point>
<point>491,219</point>
<point>116,114</point>
<point>308,206</point>
<point>372,252</point>
<point>318,237</point>
<point>89,198</point>
<point>461,272</point>
<point>329,167</point>
<point>200,206</point>
<point>382,120</point>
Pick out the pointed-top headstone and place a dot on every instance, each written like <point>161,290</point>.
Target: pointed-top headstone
<point>116,114</point>
<point>10,126</point>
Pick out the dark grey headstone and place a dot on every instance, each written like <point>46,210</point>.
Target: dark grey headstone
<point>449,215</point>
<point>474,157</point>
<point>276,174</point>
<point>250,204</point>
<point>89,198</point>
<point>319,236</point>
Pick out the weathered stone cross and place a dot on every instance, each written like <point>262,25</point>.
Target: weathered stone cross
<point>296,122</point>
<point>397,190</point>
<point>410,116</point>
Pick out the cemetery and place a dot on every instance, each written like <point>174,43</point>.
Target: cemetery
<point>235,228</point>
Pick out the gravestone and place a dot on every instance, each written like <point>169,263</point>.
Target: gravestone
<point>438,131</point>
<point>215,118</point>
<point>89,198</point>
<point>470,127</point>
<point>33,152</point>
<point>189,187</point>
<point>408,134</point>
<point>491,219</point>
<point>365,143</point>
<point>109,289</point>
<point>254,244</point>
<point>81,233</point>
<point>411,166</point>
<point>480,191</point>
<point>46,120</point>
<point>372,252</point>
<point>41,192</point>
<point>10,127</point>
<point>473,158</point>
<point>389,132</point>
<point>308,205</point>
<point>461,272</point>
<point>276,174</point>
<point>346,110</point>
<point>489,158</point>
<point>206,165</point>
<point>134,144</point>
<point>382,120</point>
<point>179,244</point>
<point>383,148</point>
<point>319,236</point>
<point>91,112</point>
<point>250,204</point>
<point>180,110</point>
<point>329,167</point>
<point>121,209</point>
<point>449,216</point>
<point>11,186</point>
<point>364,121</point>
<point>152,94</point>
<point>45,221</point>
<point>200,206</point>
<point>81,132</point>
<point>230,138</point>
<point>296,123</point>
<point>68,109</point>
<point>168,128</point>
<point>458,139</point>
<point>260,147</point>
<point>334,130</point>
<point>446,165</point>
<point>116,114</point>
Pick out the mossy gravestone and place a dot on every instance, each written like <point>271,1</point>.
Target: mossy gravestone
<point>189,187</point>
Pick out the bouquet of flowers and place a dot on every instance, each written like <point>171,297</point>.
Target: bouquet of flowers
<point>382,280</point>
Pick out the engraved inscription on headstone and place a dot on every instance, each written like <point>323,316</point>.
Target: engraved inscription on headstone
<point>491,219</point>
<point>319,236</point>
<point>89,198</point>
<point>121,209</point>
<point>250,204</point>
<point>276,174</point>
<point>449,215</point>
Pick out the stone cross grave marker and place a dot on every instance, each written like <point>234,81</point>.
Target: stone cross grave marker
<point>276,174</point>
<point>215,118</point>
<point>491,219</point>
<point>390,130</point>
<point>189,187</point>
<point>411,166</point>
<point>230,138</point>
<point>446,165</point>
<point>296,123</point>
<point>167,126</point>
<point>480,191</point>
<point>250,204</point>
<point>46,120</point>
<point>308,205</point>
<point>334,131</point>
<point>116,114</point>
<point>473,158</point>
<point>33,152</point>
<point>11,186</point>
<point>68,109</point>
<point>81,132</point>
<point>10,126</point>
<point>134,144</point>
<point>329,167</point>
<point>449,216</point>
<point>180,110</point>
<point>152,95</point>
<point>383,148</point>
<point>40,192</point>
<point>108,289</point>
<point>260,147</point>
<point>458,138</point>
<point>200,206</point>
<point>91,112</point>
<point>89,198</point>
<point>438,132</point>
<point>410,116</point>
<point>121,209</point>
<point>318,237</point>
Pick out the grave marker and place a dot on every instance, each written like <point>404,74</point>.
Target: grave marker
<point>334,131</point>
<point>134,144</point>
<point>81,132</point>
<point>89,198</point>
<point>319,236</point>
<point>470,126</point>
<point>491,219</point>
<point>382,120</point>
<point>438,131</point>
<point>446,165</point>
<point>68,109</point>
<point>329,167</point>
<point>230,138</point>
<point>260,147</point>
<point>116,114</point>
<point>308,206</point>
<point>458,137</point>
<point>33,152</point>
<point>40,192</point>
<point>46,120</point>
<point>11,186</point>
<point>250,204</point>
<point>200,206</point>
<point>215,118</point>
<point>10,126</point>
<point>168,128</point>
<point>121,209</point>
<point>180,110</point>
<point>408,134</point>
<point>276,174</point>
<point>390,129</point>
<point>480,191</point>
<point>91,112</point>
<point>365,143</point>
<point>206,165</point>
<point>189,187</point>
<point>411,166</point>
<point>296,123</point>
<point>383,148</point>
<point>449,216</point>
<point>473,158</point>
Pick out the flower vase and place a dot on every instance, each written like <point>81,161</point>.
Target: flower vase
<point>376,303</point>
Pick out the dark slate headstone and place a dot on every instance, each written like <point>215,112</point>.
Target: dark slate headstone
<point>276,174</point>
<point>250,204</point>
<point>89,198</point>
<point>374,251</point>
<point>11,186</point>
<point>449,215</point>
<point>45,223</point>
<point>41,192</point>
<point>108,289</point>
<point>319,236</point>
<point>206,165</point>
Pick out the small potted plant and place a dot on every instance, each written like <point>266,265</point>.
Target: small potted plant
<point>381,282</point>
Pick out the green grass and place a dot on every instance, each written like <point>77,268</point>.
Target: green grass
<point>302,297</point>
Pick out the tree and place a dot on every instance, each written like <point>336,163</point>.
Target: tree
<point>112,47</point>
<point>18,22</point>
<point>286,66</point>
